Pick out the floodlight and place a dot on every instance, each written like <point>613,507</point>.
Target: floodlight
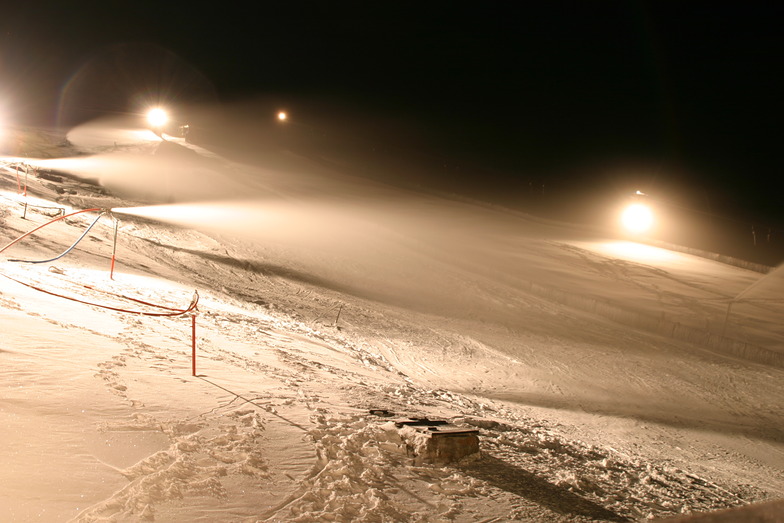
<point>157,117</point>
<point>637,218</point>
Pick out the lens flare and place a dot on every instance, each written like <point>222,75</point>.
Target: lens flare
<point>637,218</point>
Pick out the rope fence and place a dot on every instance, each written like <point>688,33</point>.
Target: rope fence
<point>154,310</point>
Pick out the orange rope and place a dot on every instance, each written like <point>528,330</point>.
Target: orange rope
<point>177,312</point>
<point>123,296</point>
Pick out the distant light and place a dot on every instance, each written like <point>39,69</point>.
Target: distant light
<point>282,116</point>
<point>640,193</point>
<point>637,218</point>
<point>157,117</point>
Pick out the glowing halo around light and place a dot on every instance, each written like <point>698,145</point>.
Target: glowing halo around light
<point>157,117</point>
<point>637,218</point>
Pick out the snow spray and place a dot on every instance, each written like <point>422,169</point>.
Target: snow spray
<point>767,288</point>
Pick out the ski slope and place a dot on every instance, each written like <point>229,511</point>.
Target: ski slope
<point>323,296</point>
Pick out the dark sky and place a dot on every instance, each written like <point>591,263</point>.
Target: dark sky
<point>675,94</point>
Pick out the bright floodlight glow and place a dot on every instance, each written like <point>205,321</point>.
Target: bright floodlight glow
<point>637,218</point>
<point>157,117</point>
<point>282,116</point>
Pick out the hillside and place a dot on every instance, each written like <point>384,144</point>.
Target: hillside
<point>323,297</point>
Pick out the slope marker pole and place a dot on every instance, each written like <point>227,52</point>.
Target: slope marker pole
<point>114,247</point>
<point>193,343</point>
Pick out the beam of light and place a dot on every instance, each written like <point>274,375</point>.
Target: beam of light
<point>157,117</point>
<point>85,167</point>
<point>198,214</point>
<point>637,218</point>
<point>92,136</point>
<point>316,224</point>
<point>79,166</point>
<point>8,161</point>
<point>150,177</point>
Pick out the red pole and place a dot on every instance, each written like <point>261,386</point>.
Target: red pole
<point>193,342</point>
<point>114,248</point>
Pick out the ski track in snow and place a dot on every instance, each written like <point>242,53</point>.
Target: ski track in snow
<point>276,426</point>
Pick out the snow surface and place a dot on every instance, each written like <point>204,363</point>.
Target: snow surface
<point>597,370</point>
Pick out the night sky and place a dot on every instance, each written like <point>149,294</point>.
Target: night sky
<point>504,101</point>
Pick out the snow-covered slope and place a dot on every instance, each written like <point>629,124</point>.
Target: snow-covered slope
<point>324,296</point>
